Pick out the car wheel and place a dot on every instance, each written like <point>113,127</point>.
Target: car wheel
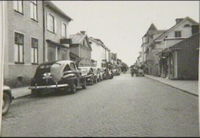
<point>84,84</point>
<point>73,88</point>
<point>6,103</point>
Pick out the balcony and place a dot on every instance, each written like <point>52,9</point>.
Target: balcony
<point>66,41</point>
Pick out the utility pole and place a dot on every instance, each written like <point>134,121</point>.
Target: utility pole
<point>3,6</point>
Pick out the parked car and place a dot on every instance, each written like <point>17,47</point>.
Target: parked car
<point>100,73</point>
<point>116,71</point>
<point>90,74</point>
<point>140,72</point>
<point>7,99</point>
<point>59,75</point>
<point>108,74</point>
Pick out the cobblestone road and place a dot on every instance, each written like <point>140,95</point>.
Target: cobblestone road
<point>123,106</point>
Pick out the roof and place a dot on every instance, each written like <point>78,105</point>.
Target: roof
<point>56,44</point>
<point>56,9</point>
<point>167,31</point>
<point>178,45</point>
<point>151,28</point>
<point>78,38</point>
<point>98,41</point>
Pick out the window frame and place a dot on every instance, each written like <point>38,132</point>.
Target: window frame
<point>18,49</point>
<point>35,5</point>
<point>64,29</point>
<point>177,36</point>
<point>17,9</point>
<point>54,23</point>
<point>34,48</point>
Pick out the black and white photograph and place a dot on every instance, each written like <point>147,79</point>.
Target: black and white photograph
<point>99,68</point>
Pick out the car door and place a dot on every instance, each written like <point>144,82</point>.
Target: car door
<point>76,72</point>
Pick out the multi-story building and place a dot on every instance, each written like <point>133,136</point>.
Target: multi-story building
<point>98,51</point>
<point>35,30</point>
<point>183,58</point>
<point>24,39</point>
<point>148,56</point>
<point>183,29</point>
<point>55,29</point>
<point>80,47</point>
<point>158,40</point>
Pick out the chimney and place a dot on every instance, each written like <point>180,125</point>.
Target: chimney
<point>82,32</point>
<point>178,20</point>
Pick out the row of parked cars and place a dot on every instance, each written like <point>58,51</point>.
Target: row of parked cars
<point>65,76</point>
<point>62,76</point>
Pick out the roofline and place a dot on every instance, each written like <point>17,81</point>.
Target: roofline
<point>168,30</point>
<point>58,10</point>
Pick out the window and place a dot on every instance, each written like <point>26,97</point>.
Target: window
<point>67,68</point>
<point>186,25</point>
<point>18,6</point>
<point>64,30</point>
<point>177,33</point>
<point>72,66</point>
<point>51,23</point>
<point>33,10</point>
<point>34,51</point>
<point>19,48</point>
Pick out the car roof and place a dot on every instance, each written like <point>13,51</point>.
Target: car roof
<point>85,67</point>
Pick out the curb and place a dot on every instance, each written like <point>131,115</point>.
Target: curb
<point>185,91</point>
<point>21,96</point>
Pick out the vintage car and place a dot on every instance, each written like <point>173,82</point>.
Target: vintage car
<point>108,74</point>
<point>99,72</point>
<point>90,74</point>
<point>116,71</point>
<point>59,75</point>
<point>7,99</point>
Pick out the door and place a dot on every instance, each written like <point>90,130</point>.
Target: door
<point>175,64</point>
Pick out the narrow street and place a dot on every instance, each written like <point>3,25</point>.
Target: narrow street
<point>123,106</point>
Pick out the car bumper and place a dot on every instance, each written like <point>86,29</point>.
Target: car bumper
<point>49,86</point>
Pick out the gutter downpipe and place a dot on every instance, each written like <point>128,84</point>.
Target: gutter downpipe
<point>44,49</point>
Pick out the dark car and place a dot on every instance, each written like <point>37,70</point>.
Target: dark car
<point>7,99</point>
<point>89,73</point>
<point>116,71</point>
<point>59,75</point>
<point>108,74</point>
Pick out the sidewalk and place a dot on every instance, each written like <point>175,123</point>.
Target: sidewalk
<point>189,86</point>
<point>20,92</point>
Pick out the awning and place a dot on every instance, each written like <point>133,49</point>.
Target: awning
<point>56,44</point>
<point>74,56</point>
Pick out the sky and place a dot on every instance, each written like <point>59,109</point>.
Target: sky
<point>121,24</point>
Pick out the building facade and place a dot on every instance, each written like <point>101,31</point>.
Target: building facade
<point>98,51</point>
<point>55,29</point>
<point>24,49</point>
<point>183,59</point>
<point>183,29</point>
<point>80,47</point>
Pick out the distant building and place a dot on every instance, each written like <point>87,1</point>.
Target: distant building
<point>183,29</point>
<point>56,41</point>
<point>98,52</point>
<point>148,56</point>
<point>81,48</point>
<point>156,41</point>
